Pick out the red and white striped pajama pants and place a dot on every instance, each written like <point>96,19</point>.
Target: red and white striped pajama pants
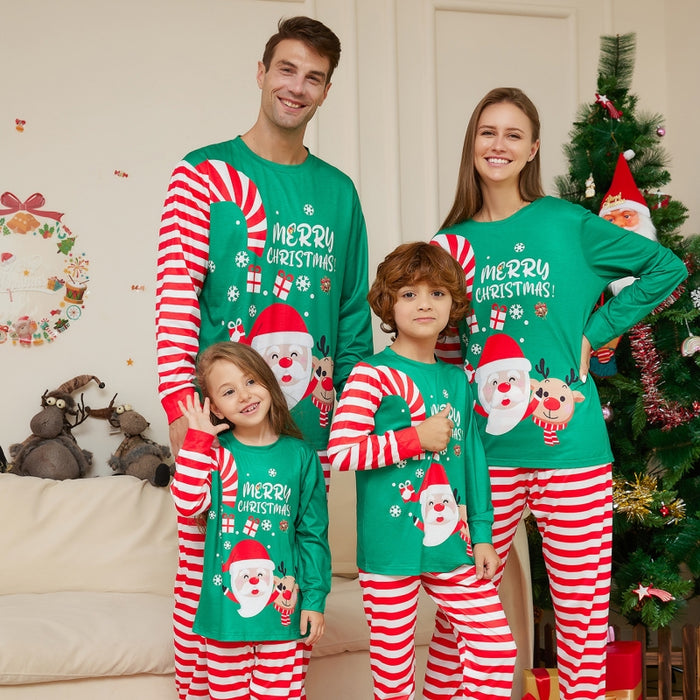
<point>477,652</point>
<point>573,509</point>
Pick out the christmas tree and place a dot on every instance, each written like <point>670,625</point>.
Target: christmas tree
<point>649,379</point>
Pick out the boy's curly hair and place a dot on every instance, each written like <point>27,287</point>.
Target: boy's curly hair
<point>411,263</point>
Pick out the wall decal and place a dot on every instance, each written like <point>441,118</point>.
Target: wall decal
<point>43,274</point>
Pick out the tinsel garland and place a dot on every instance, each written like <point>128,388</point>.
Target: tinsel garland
<point>670,414</point>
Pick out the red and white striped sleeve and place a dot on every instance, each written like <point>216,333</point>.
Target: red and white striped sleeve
<point>195,462</point>
<point>183,252</point>
<point>352,444</point>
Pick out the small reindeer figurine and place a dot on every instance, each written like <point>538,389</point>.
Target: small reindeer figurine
<point>136,455</point>
<point>51,451</point>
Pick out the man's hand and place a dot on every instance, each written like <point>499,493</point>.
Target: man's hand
<point>178,429</point>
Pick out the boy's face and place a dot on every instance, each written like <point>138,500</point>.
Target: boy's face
<point>294,86</point>
<point>422,310</point>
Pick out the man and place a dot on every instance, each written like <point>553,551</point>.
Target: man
<point>247,224</point>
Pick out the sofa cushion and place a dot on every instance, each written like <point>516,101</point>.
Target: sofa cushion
<point>67,635</point>
<point>109,533</point>
<point>346,626</point>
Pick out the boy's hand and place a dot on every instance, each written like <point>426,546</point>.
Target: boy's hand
<point>434,433</point>
<point>486,560</point>
<point>314,623</point>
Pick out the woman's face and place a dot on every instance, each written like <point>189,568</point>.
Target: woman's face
<point>503,144</point>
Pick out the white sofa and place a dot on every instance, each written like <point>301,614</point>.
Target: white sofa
<point>87,570</point>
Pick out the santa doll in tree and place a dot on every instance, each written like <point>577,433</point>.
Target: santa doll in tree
<point>624,205</point>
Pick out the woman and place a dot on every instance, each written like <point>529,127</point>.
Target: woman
<point>535,267</point>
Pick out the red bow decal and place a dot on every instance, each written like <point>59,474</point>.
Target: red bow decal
<point>32,205</point>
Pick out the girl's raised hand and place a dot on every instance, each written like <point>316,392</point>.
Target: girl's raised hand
<point>198,416</point>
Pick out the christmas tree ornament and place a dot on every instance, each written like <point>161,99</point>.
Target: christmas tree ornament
<point>590,186</point>
<point>607,412</point>
<point>607,104</point>
<point>647,591</point>
<point>629,154</point>
<point>690,346</point>
<point>661,132</point>
<point>624,205</point>
<point>664,509</point>
<point>670,414</point>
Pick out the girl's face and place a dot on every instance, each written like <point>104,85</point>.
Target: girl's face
<point>503,144</point>
<point>239,398</point>
<point>422,310</point>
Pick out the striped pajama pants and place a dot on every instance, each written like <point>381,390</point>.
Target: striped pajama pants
<point>473,652</point>
<point>573,509</point>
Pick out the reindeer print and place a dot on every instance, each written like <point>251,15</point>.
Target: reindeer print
<point>557,401</point>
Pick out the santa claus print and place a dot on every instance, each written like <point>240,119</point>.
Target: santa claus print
<point>441,515</point>
<point>252,577</point>
<point>280,335</point>
<point>503,380</point>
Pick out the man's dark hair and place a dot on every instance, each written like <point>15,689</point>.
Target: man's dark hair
<point>313,33</point>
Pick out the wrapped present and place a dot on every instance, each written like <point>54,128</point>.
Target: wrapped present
<point>541,684</point>
<point>623,676</point>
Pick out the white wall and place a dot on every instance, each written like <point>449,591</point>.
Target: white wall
<point>133,85</point>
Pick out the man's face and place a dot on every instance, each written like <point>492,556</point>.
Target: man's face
<point>294,87</point>
<point>626,218</point>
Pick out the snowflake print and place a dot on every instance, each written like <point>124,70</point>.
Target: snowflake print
<point>252,310</point>
<point>227,545</point>
<point>308,210</point>
<point>242,258</point>
<point>266,525</point>
<point>475,349</point>
<point>516,311</point>
<point>519,247</point>
<point>272,473</point>
<point>445,394</point>
<point>401,463</point>
<point>217,580</point>
<point>695,296</point>
<point>212,515</point>
<point>233,293</point>
<point>465,338</point>
<point>303,283</point>
<point>211,265</point>
<point>420,473</point>
<point>395,511</point>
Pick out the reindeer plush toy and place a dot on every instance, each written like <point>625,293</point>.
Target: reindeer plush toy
<point>51,451</point>
<point>136,455</point>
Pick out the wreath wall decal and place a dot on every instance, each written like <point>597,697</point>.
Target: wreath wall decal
<point>43,280</point>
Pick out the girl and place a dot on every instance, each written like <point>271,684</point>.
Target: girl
<point>535,267</point>
<point>423,498</point>
<point>266,556</point>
